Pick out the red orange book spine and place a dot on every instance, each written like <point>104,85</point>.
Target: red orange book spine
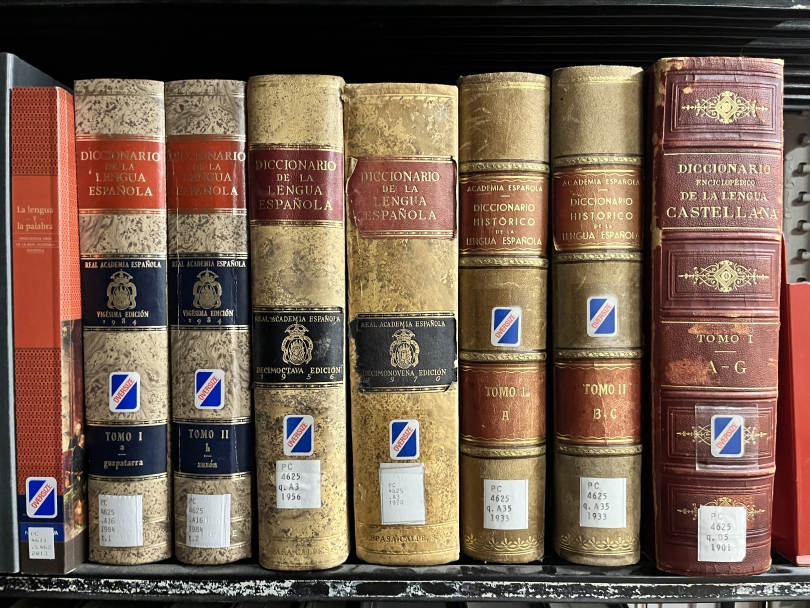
<point>47,332</point>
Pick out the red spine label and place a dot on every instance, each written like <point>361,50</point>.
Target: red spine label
<point>296,185</point>
<point>503,214</point>
<point>121,174</point>
<point>395,198</point>
<point>205,174</point>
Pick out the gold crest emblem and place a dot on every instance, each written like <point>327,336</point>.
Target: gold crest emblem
<point>207,291</point>
<point>404,349</point>
<point>296,348</point>
<point>121,291</point>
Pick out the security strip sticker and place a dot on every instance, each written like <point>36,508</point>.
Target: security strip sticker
<point>721,534</point>
<point>506,504</point>
<point>120,521</point>
<point>402,493</point>
<point>603,502</point>
<point>208,521</point>
<point>298,484</point>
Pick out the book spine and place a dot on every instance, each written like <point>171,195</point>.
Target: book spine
<point>51,481</point>
<point>597,274</point>
<point>295,163</point>
<point>716,273</point>
<point>209,315</point>
<point>120,148</point>
<point>503,268</point>
<point>402,248</point>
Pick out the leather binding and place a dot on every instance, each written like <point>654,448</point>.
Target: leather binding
<point>716,267</point>
<point>209,315</point>
<point>596,148</point>
<point>402,248</point>
<point>13,73</point>
<point>503,268</point>
<point>51,480</point>
<point>295,141</point>
<point>120,148</point>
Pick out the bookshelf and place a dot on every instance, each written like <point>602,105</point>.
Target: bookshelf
<point>428,41</point>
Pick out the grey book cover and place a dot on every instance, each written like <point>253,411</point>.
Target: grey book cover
<point>14,73</point>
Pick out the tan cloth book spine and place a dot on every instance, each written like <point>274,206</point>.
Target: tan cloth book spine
<point>209,316</point>
<point>120,149</point>
<point>503,193</point>
<point>596,149</point>
<point>295,164</point>
<point>401,151</point>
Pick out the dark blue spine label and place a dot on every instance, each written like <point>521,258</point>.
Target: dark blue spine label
<point>124,293</point>
<point>209,292</point>
<point>127,451</point>
<point>212,449</point>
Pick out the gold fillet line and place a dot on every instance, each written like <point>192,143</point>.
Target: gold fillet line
<point>630,256</point>
<point>724,228</point>
<point>724,388</point>
<point>599,354</point>
<point>207,210</point>
<point>473,259</point>
<point>569,172</point>
<point>214,421</point>
<point>236,329</point>
<point>595,364</point>
<point>498,356</point>
<point>505,442</point>
<point>707,322</point>
<point>130,478</point>
<point>509,84</point>
<point>625,244</point>
<point>406,233</point>
<point>273,82</point>
<point>117,211</point>
<point>404,314</point>
<point>221,255</point>
<point>415,159</point>
<point>293,147</point>
<point>572,161</point>
<point>589,440</point>
<point>123,256</point>
<point>103,94</point>
<point>202,476</point>
<point>502,452</point>
<point>315,309</point>
<point>159,139</point>
<point>614,79</point>
<point>195,137</point>
<point>514,368</point>
<point>161,422</point>
<point>320,223</point>
<point>230,546</point>
<point>483,169</point>
<point>501,177</point>
<point>425,96</point>
<point>734,153</point>
<point>578,450</point>
<point>127,328</point>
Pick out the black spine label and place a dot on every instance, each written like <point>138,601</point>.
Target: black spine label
<point>209,292</point>
<point>124,293</point>
<point>212,449</point>
<point>409,352</point>
<point>298,348</point>
<point>127,450</point>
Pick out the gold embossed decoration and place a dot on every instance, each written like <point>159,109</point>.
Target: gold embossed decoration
<point>615,545</point>
<point>702,434</point>
<point>511,546</point>
<point>726,107</point>
<point>724,276</point>
<point>723,501</point>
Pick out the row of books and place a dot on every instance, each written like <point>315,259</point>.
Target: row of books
<point>185,279</point>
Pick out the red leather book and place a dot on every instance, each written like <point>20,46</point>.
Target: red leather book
<point>52,503</point>
<point>716,238</point>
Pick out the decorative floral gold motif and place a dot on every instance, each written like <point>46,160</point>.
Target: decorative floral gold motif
<point>611,546</point>
<point>518,545</point>
<point>725,276</point>
<point>723,501</point>
<point>726,107</point>
<point>702,434</point>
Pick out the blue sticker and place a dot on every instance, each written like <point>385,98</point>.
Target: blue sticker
<point>212,449</point>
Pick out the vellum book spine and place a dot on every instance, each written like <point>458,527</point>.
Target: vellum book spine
<point>401,150</point>
<point>295,162</point>
<point>503,190</point>
<point>209,315</point>
<point>120,149</point>
<point>596,148</point>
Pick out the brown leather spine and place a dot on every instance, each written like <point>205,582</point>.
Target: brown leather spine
<point>717,200</point>
<point>597,218</point>
<point>503,188</point>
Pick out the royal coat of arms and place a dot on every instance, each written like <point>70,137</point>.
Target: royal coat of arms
<point>404,349</point>
<point>296,348</point>
<point>207,291</point>
<point>121,291</point>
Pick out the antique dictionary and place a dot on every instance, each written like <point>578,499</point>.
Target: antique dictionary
<point>716,127</point>
<point>120,149</point>
<point>13,73</point>
<point>209,315</point>
<point>51,481</point>
<point>401,150</point>
<point>596,150</point>
<point>295,164</point>
<point>503,226</point>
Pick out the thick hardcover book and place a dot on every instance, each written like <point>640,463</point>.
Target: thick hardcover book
<point>716,262</point>
<point>209,316</point>
<point>13,73</point>
<point>51,481</point>
<point>401,150</point>
<point>503,246</point>
<point>295,160</point>
<point>597,217</point>
<point>120,149</point>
